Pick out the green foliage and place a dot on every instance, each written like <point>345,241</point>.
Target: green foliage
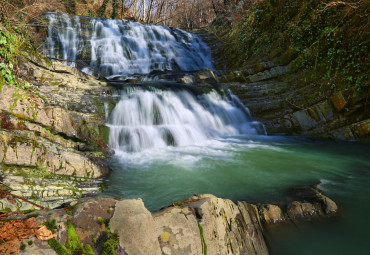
<point>51,225</point>
<point>8,50</point>
<point>110,245</point>
<point>22,246</point>
<point>330,40</point>
<point>15,42</point>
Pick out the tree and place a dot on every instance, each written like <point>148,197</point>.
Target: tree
<point>115,6</point>
<point>103,8</point>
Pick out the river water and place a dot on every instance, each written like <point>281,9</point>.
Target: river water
<point>231,160</point>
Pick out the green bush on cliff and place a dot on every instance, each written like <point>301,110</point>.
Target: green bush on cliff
<point>16,43</point>
<point>8,62</point>
<point>326,41</point>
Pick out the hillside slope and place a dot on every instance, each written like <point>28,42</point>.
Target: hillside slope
<point>321,52</point>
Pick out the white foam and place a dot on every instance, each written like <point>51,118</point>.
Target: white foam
<point>123,47</point>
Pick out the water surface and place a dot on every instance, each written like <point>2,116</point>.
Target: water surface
<point>214,148</point>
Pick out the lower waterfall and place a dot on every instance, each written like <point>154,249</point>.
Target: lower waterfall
<point>154,118</point>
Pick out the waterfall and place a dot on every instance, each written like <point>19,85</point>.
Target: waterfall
<point>105,47</point>
<point>153,118</point>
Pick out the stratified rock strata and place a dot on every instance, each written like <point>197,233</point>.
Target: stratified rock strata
<point>53,141</point>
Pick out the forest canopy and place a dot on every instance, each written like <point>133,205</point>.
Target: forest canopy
<point>187,14</point>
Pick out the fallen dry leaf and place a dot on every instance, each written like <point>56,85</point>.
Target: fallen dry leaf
<point>44,234</point>
<point>10,247</point>
<point>14,231</point>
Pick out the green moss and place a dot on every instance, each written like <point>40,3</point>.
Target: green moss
<point>6,209</point>
<point>28,211</point>
<point>69,209</point>
<point>88,250</point>
<point>104,133</point>
<point>105,222</point>
<point>32,215</point>
<point>30,242</point>
<point>22,246</point>
<point>110,245</point>
<point>102,187</point>
<point>204,245</point>
<point>73,242</point>
<point>73,245</point>
<point>51,225</point>
<point>59,248</point>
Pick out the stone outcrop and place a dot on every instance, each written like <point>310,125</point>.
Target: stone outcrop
<point>273,96</point>
<point>201,224</point>
<point>310,203</point>
<point>53,134</point>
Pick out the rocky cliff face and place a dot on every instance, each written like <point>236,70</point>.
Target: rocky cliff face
<point>273,94</point>
<point>52,138</point>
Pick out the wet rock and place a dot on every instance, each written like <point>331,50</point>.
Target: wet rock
<point>317,200</point>
<point>361,129</point>
<point>271,214</point>
<point>338,101</point>
<point>295,210</point>
<point>330,206</point>
<point>235,76</point>
<point>187,79</point>
<point>269,74</point>
<point>305,120</point>
<point>206,76</point>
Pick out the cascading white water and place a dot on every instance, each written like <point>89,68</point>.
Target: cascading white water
<point>145,119</point>
<point>106,47</point>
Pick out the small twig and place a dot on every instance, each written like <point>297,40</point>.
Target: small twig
<point>22,198</point>
<point>5,185</point>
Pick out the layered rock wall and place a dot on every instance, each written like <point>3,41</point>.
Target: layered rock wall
<point>53,141</point>
<point>275,97</point>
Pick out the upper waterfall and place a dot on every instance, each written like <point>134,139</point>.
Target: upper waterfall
<point>105,47</point>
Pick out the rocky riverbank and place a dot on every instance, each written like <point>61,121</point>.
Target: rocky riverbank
<point>53,141</point>
<point>201,224</point>
<point>274,96</point>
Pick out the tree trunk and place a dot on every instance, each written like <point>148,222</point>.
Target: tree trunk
<point>115,5</point>
<point>103,8</point>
